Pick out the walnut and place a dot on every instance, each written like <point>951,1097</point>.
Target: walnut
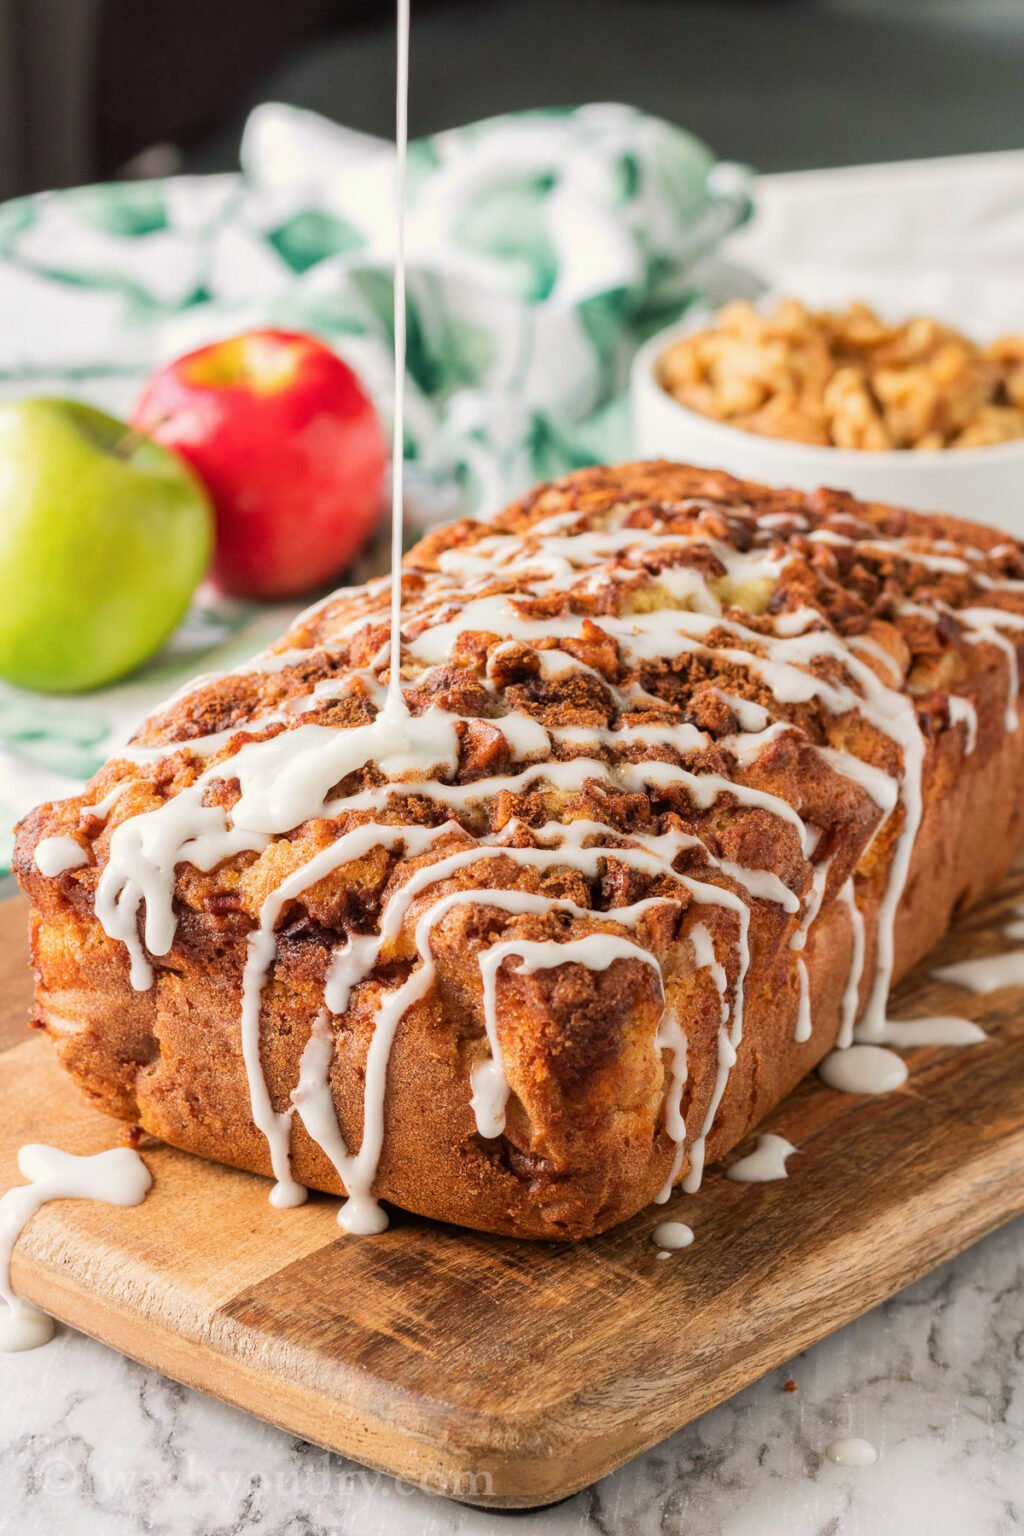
<point>848,379</point>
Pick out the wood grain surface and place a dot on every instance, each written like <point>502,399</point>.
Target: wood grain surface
<point>510,1373</point>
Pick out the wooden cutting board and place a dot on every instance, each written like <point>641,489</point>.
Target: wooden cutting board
<point>513,1374</point>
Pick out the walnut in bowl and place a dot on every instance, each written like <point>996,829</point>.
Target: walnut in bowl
<point>841,398</point>
<point>848,379</point>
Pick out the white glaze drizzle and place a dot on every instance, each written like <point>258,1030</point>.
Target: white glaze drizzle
<point>804,1026</point>
<point>262,947</point>
<point>752,717</point>
<point>851,992</point>
<point>962,712</point>
<point>396,705</point>
<point>727,1046</point>
<point>671,1037</point>
<point>597,951</point>
<point>804,1022</point>
<point>882,788</point>
<point>55,855</point>
<point>660,633</point>
<point>116,1177</point>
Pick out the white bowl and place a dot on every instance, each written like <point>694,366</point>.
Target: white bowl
<point>985,485</point>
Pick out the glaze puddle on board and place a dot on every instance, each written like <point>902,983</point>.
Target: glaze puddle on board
<point>864,1069</point>
<point>116,1177</point>
<point>935,1029</point>
<point>766,1163</point>
<point>987,974</point>
<point>672,1235</point>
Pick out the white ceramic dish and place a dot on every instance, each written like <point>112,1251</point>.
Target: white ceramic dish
<point>984,484</point>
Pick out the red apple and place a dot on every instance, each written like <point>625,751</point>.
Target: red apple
<point>290,448</point>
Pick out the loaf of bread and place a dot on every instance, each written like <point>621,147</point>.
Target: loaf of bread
<point>686,772</point>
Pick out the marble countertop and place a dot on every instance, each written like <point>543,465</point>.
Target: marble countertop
<point>94,1445</point>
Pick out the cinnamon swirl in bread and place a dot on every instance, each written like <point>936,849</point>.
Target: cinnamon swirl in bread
<point>690,770</point>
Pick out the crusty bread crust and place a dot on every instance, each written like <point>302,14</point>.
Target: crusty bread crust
<point>585,1143</point>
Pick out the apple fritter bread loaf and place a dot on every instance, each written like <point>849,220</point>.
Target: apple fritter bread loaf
<point>686,772</point>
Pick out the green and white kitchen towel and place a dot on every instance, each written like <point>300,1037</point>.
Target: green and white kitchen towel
<point>543,247</point>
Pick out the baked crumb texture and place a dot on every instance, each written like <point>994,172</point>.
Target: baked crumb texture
<point>694,769</point>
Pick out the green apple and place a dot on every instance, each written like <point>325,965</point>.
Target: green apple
<point>104,537</point>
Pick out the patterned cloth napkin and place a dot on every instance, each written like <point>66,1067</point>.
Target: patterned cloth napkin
<point>543,247</point>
